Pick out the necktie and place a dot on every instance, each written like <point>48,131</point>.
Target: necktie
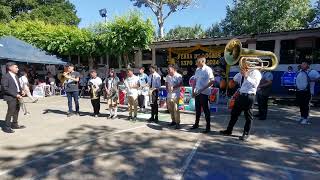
<point>151,80</point>
<point>18,88</point>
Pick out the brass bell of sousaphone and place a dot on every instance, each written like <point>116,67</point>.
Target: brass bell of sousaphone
<point>248,58</point>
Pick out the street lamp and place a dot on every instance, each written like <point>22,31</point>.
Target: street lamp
<point>103,13</point>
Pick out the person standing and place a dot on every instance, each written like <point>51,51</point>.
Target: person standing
<point>201,91</point>
<point>111,85</point>
<point>154,82</point>
<point>12,93</point>
<point>263,93</point>
<point>132,85</point>
<point>143,90</point>
<point>248,81</point>
<point>72,88</point>
<point>94,86</point>
<point>305,89</point>
<point>25,86</point>
<point>173,83</point>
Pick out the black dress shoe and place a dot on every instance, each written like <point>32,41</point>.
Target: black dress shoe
<point>150,119</point>
<point>206,131</point>
<point>225,133</point>
<point>244,137</point>
<point>177,126</point>
<point>7,130</point>
<point>129,118</point>
<point>194,127</point>
<point>172,124</point>
<point>18,127</point>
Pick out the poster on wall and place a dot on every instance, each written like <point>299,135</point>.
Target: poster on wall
<point>186,58</point>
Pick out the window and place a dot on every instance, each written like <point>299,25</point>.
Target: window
<point>266,45</point>
<point>146,55</point>
<point>287,52</point>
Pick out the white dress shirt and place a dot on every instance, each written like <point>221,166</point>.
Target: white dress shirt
<point>251,83</point>
<point>307,77</point>
<point>172,81</point>
<point>14,76</point>
<point>203,76</point>
<point>155,79</point>
<point>96,81</point>
<point>132,84</point>
<point>23,81</point>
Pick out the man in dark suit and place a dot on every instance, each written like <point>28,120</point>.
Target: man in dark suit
<point>12,93</point>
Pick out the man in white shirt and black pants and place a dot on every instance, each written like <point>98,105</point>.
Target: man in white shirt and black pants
<point>201,91</point>
<point>249,81</point>
<point>305,79</point>
<point>154,82</point>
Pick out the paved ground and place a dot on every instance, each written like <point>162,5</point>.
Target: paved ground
<point>56,147</point>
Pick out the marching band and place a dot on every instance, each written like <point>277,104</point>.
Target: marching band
<point>254,79</point>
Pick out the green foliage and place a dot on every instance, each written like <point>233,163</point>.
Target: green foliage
<point>117,37</point>
<point>50,11</point>
<point>214,31</point>
<point>125,33</point>
<point>251,16</point>
<point>180,32</point>
<point>5,13</point>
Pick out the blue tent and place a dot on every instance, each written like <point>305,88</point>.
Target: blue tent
<point>13,49</point>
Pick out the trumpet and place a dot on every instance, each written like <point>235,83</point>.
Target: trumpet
<point>63,77</point>
<point>94,91</point>
<point>248,58</point>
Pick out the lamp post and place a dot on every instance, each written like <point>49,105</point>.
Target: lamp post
<point>103,13</point>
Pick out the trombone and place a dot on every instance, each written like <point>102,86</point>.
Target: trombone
<point>248,58</point>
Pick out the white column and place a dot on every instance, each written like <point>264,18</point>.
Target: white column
<point>277,48</point>
<point>153,56</point>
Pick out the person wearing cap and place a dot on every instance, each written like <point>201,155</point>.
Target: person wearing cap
<point>204,80</point>
<point>111,85</point>
<point>95,86</point>
<point>248,80</point>
<point>154,82</point>
<point>72,88</point>
<point>132,85</point>
<point>12,94</point>
<point>173,84</point>
<point>143,91</point>
<point>305,89</point>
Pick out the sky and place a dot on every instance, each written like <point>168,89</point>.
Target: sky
<point>204,12</point>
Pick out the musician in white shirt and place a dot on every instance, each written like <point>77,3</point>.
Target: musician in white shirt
<point>249,81</point>
<point>154,82</point>
<point>305,89</point>
<point>173,84</point>
<point>132,85</point>
<point>201,91</point>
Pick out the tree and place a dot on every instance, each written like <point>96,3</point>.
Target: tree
<point>214,31</point>
<point>5,13</point>
<point>125,34</point>
<point>51,11</point>
<point>181,32</point>
<point>251,16</point>
<point>158,7</point>
<point>315,23</point>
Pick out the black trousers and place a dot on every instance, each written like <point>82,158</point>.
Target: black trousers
<point>242,103</point>
<point>154,105</point>
<point>202,102</point>
<point>12,112</point>
<point>263,105</point>
<point>96,106</point>
<point>141,101</point>
<point>303,100</point>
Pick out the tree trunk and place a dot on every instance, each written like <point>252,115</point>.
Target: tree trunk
<point>161,30</point>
